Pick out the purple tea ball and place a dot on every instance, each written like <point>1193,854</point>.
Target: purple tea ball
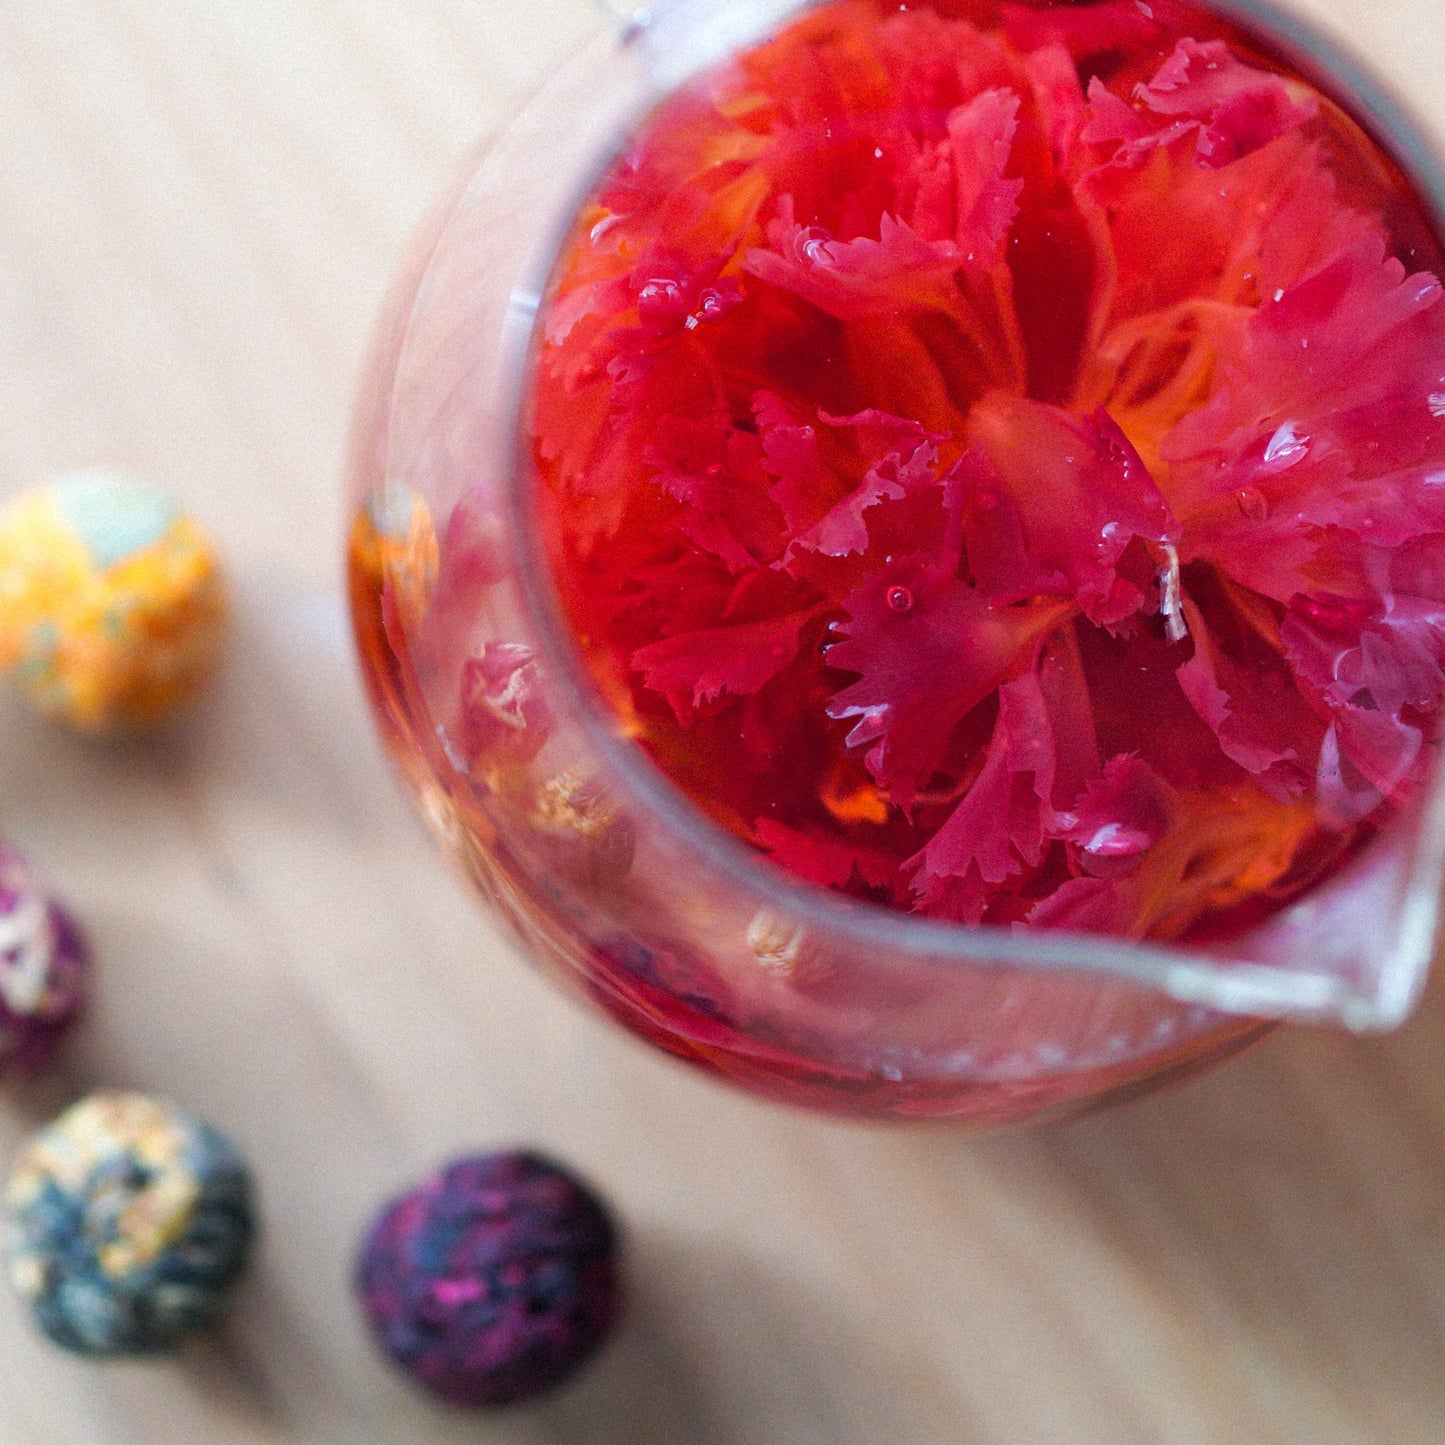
<point>492,1281</point>
<point>42,967</point>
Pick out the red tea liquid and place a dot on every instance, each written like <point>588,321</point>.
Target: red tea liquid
<point>992,459</point>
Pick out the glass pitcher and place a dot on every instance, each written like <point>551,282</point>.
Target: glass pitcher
<point>610,878</point>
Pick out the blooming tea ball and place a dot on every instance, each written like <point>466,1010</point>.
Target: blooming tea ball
<point>42,967</point>
<point>112,609</point>
<point>492,1281</point>
<point>127,1223</point>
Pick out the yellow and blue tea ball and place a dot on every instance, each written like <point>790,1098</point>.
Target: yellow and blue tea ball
<point>128,1223</point>
<point>112,606</point>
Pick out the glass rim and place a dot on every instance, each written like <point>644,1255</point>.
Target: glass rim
<point>1197,974</point>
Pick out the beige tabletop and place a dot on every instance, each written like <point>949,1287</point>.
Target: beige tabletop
<point>200,205</point>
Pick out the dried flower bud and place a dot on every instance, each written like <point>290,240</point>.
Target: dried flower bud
<point>505,715</point>
<point>777,943</point>
<point>591,842</point>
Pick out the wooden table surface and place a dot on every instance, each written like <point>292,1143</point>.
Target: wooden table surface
<point>202,203</point>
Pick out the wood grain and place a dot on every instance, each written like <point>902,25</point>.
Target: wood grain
<point>202,204</point>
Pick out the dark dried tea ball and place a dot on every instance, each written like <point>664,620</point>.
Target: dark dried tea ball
<point>127,1222</point>
<point>42,967</point>
<point>492,1281</point>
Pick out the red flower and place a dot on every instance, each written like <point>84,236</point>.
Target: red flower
<point>1002,463</point>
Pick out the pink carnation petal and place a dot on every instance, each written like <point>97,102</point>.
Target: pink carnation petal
<point>928,648</point>
<point>716,471</point>
<point>1357,334</point>
<point>1100,32</point>
<point>697,667</point>
<point>1239,108</point>
<point>896,457</point>
<point>905,461</point>
<point>1085,905</point>
<point>1071,494</point>
<point>1372,670</point>
<point>1054,83</point>
<point>1002,822</point>
<point>792,458</point>
<point>900,271</point>
<point>1322,425</point>
<point>1231,109</point>
<point>1070,708</point>
<point>981,134</point>
<point>1119,817</point>
<point>1256,712</point>
<point>1113,119</point>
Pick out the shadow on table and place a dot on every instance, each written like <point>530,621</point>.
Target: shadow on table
<point>713,1350</point>
<point>639,1389</point>
<point>720,1348</point>
<point>1293,1200</point>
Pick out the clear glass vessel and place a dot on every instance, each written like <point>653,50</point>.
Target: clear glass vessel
<point>612,880</point>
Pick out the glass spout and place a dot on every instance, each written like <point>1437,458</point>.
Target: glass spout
<point>1356,951</point>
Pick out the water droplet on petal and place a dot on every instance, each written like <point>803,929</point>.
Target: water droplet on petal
<point>1118,840</point>
<point>658,292</point>
<point>900,599</point>
<point>812,245</point>
<point>603,227</point>
<point>1286,446</point>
